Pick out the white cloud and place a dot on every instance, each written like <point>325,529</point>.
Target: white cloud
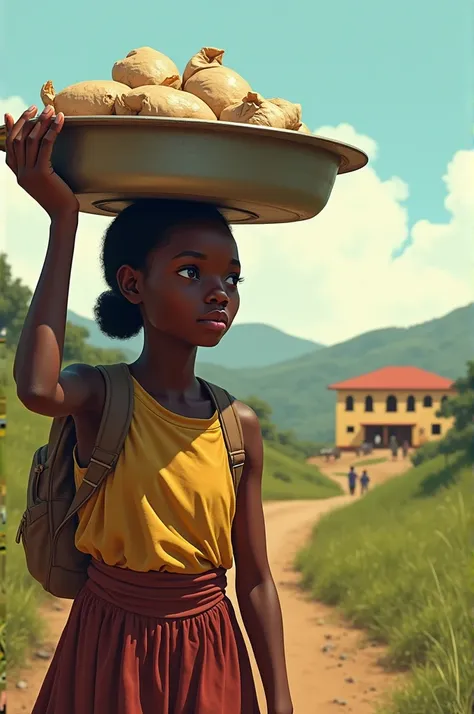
<point>333,277</point>
<point>326,279</point>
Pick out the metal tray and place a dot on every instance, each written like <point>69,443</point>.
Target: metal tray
<point>254,174</point>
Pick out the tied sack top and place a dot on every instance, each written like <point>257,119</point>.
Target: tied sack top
<point>170,502</point>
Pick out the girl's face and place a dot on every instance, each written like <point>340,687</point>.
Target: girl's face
<point>189,289</point>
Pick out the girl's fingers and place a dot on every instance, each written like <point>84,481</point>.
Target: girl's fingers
<point>14,145</point>
<point>35,135</point>
<point>9,122</point>
<point>14,130</point>
<point>47,143</point>
<point>10,160</point>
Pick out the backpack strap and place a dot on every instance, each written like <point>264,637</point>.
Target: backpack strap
<point>114,426</point>
<point>231,429</point>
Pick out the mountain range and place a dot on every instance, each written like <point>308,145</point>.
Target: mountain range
<point>246,345</point>
<point>296,387</point>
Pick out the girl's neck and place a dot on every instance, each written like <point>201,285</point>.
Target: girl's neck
<point>166,365</point>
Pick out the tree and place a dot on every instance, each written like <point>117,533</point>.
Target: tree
<point>14,301</point>
<point>460,407</point>
<point>75,343</point>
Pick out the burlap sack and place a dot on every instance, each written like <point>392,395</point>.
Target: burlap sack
<point>291,111</point>
<point>216,85</point>
<point>304,129</point>
<point>84,98</point>
<point>155,101</point>
<point>254,109</point>
<point>205,58</point>
<point>145,66</point>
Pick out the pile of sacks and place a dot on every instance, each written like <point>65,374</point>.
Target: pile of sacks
<point>148,83</point>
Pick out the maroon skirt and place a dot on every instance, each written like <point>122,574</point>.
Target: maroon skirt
<point>150,643</point>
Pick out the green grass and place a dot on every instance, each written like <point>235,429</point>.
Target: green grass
<point>23,594</point>
<point>398,564</point>
<point>2,589</point>
<point>371,462</point>
<point>285,479</point>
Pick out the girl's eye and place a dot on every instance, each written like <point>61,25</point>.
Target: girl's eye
<point>190,272</point>
<point>235,279</point>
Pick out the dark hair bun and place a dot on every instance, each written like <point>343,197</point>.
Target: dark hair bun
<point>116,316</point>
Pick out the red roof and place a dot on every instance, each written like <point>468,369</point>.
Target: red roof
<point>411,378</point>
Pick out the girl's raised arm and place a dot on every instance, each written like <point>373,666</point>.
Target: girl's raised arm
<point>41,385</point>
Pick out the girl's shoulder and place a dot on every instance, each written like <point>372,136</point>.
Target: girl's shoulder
<point>85,387</point>
<point>250,428</point>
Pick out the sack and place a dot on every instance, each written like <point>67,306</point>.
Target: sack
<point>216,85</point>
<point>92,98</point>
<point>155,101</point>
<point>145,66</point>
<point>254,109</point>
<point>48,526</point>
<point>291,111</point>
<point>205,58</point>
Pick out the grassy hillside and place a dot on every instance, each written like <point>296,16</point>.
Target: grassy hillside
<point>399,564</point>
<point>252,345</point>
<point>297,390</point>
<point>284,478</point>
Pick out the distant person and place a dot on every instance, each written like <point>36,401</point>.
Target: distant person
<point>405,448</point>
<point>377,440</point>
<point>394,447</point>
<point>352,478</point>
<point>364,482</point>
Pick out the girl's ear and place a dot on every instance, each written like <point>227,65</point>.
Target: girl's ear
<point>127,279</point>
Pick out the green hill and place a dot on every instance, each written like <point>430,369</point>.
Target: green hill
<point>287,479</point>
<point>297,390</point>
<point>249,345</point>
<point>399,563</point>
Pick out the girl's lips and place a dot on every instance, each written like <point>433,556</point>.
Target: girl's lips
<point>214,325</point>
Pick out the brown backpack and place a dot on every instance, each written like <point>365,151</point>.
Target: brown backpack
<point>48,526</point>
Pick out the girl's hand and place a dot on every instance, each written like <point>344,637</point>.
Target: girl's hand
<point>29,147</point>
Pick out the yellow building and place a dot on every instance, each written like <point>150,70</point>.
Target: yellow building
<point>392,401</point>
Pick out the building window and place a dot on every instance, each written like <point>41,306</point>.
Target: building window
<point>391,403</point>
<point>350,429</point>
<point>436,429</point>
<point>369,404</point>
<point>428,401</point>
<point>410,404</point>
<point>349,404</point>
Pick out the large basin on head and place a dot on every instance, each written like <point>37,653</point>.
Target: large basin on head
<point>254,174</point>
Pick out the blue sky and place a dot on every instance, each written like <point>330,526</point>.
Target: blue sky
<point>396,78</point>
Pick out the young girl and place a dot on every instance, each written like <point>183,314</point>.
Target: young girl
<point>164,528</point>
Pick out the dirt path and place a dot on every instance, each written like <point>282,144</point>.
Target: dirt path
<point>343,671</point>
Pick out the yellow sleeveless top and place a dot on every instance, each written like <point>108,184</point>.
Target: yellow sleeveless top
<point>170,503</point>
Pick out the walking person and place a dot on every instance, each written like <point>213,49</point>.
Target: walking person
<point>394,447</point>
<point>152,630</point>
<point>364,482</point>
<point>405,449</point>
<point>352,478</point>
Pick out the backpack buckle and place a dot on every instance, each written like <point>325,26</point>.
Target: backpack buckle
<point>101,463</point>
